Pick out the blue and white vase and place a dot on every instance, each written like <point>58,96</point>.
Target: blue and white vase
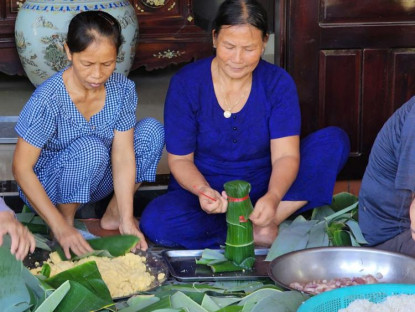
<point>41,27</point>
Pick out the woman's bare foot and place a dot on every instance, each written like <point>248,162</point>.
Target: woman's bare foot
<point>265,236</point>
<point>111,219</point>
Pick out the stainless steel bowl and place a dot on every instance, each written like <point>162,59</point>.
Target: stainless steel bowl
<point>336,262</point>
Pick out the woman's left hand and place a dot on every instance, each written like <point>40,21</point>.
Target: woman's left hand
<point>131,227</point>
<point>264,211</point>
<point>211,201</point>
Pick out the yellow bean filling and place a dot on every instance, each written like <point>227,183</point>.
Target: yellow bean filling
<point>124,275</point>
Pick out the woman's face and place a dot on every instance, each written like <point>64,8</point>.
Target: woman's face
<point>238,49</point>
<point>93,66</point>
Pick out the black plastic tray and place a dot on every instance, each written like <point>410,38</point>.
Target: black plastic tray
<point>182,266</point>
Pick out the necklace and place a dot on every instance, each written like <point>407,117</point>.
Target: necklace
<point>227,113</point>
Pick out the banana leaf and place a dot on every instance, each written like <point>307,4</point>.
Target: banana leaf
<point>225,266</point>
<point>291,238</point>
<point>46,269</point>
<point>33,222</point>
<point>88,289</point>
<point>357,233</point>
<point>208,304</point>
<point>211,256</point>
<point>139,302</point>
<point>42,242</point>
<point>81,299</point>
<point>14,296</point>
<point>246,287</point>
<point>317,235</point>
<point>180,301</point>
<point>23,290</point>
<point>258,295</point>
<point>341,238</point>
<point>321,213</point>
<point>288,301</point>
<point>54,299</point>
<point>343,200</point>
<point>162,304</point>
<point>223,302</point>
<point>116,245</point>
<point>231,309</point>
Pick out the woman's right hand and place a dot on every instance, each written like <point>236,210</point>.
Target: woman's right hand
<point>212,201</point>
<point>70,239</point>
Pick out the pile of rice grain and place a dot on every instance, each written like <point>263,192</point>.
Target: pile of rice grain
<point>124,275</point>
<point>397,303</point>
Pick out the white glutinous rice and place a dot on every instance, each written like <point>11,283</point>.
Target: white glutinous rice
<point>397,303</point>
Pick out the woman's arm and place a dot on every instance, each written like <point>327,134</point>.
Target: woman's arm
<point>124,170</point>
<point>191,179</point>
<point>285,159</point>
<point>24,160</point>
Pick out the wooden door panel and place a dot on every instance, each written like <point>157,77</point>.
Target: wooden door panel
<point>403,76</point>
<point>375,107</point>
<point>353,63</point>
<point>366,11</point>
<point>339,91</point>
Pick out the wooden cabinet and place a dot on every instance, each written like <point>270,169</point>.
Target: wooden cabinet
<point>9,60</point>
<point>167,35</point>
<point>353,62</point>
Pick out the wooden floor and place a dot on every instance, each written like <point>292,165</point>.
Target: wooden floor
<point>352,186</point>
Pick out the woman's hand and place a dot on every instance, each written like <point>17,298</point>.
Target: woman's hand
<point>130,227</point>
<point>70,239</point>
<point>211,201</point>
<point>265,210</point>
<point>21,239</point>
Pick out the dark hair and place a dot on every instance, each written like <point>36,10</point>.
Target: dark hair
<point>84,26</point>
<point>240,12</point>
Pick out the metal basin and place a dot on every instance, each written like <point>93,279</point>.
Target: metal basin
<point>337,262</point>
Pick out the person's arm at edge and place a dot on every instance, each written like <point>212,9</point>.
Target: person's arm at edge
<point>22,241</point>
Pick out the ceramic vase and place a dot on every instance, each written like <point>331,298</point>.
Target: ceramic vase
<point>41,27</point>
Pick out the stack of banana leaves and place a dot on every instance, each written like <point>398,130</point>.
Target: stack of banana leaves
<point>82,289</point>
<point>330,225</point>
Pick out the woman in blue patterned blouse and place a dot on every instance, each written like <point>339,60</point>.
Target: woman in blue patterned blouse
<point>79,139</point>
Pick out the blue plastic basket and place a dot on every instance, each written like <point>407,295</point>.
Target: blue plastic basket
<point>334,300</point>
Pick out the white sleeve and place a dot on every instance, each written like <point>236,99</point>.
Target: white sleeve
<point>3,206</point>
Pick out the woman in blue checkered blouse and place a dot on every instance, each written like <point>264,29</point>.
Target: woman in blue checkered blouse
<point>79,139</point>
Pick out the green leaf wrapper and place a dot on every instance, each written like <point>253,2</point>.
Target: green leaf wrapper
<point>240,238</point>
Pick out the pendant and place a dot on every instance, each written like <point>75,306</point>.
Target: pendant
<point>227,114</point>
